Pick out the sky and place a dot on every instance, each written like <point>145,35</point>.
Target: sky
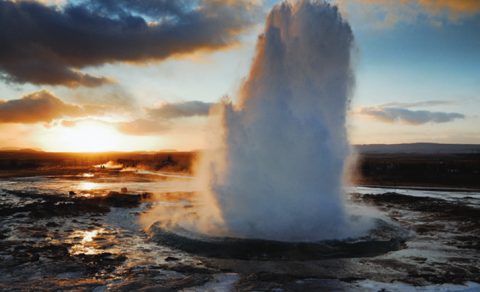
<point>118,75</point>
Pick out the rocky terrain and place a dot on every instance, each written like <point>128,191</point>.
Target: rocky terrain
<point>81,233</point>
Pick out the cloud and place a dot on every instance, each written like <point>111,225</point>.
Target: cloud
<point>428,103</point>
<point>143,127</point>
<point>154,121</point>
<point>386,13</point>
<point>407,116</point>
<point>180,110</point>
<point>68,123</point>
<point>37,107</point>
<point>113,97</point>
<point>45,44</point>
<point>159,120</point>
<point>47,2</point>
<point>42,106</point>
<point>455,8</point>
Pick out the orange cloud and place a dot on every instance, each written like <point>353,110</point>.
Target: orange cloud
<point>393,11</point>
<point>143,127</point>
<point>455,7</point>
<point>41,106</point>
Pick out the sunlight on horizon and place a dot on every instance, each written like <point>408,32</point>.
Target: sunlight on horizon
<point>87,186</point>
<point>85,137</point>
<point>92,136</point>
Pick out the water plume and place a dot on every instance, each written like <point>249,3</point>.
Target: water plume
<point>275,169</point>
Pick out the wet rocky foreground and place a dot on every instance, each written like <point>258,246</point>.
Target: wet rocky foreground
<point>66,239</point>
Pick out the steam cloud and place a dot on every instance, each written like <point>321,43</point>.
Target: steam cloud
<point>277,169</point>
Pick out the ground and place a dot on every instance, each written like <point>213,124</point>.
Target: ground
<point>80,231</point>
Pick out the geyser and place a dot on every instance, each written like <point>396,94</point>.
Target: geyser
<point>276,171</point>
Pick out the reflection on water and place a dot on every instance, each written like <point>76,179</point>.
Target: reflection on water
<point>89,235</point>
<point>100,183</point>
<point>84,242</point>
<point>93,242</point>
<point>87,186</point>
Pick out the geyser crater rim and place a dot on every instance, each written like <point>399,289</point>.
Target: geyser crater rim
<point>384,238</point>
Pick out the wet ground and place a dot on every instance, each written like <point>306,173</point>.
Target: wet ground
<point>80,232</point>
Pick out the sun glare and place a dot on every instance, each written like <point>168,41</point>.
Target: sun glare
<point>88,137</point>
<point>87,186</point>
<point>95,136</point>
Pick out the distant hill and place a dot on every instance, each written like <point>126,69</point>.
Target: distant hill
<point>418,148</point>
<point>412,148</point>
<point>6,149</point>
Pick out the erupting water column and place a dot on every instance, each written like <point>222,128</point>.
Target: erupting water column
<point>277,172</point>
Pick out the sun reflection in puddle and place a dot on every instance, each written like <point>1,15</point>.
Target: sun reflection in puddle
<point>93,242</point>
<point>87,186</point>
<point>84,242</point>
<point>89,235</point>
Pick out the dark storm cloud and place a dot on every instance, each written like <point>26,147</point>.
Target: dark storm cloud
<point>48,45</point>
<point>413,117</point>
<point>37,107</point>
<point>181,110</point>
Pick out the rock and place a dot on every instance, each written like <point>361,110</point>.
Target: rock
<point>52,224</point>
<point>117,199</point>
<point>53,251</point>
<point>100,289</point>
<point>101,262</point>
<point>124,190</point>
<point>146,195</point>
<point>66,209</point>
